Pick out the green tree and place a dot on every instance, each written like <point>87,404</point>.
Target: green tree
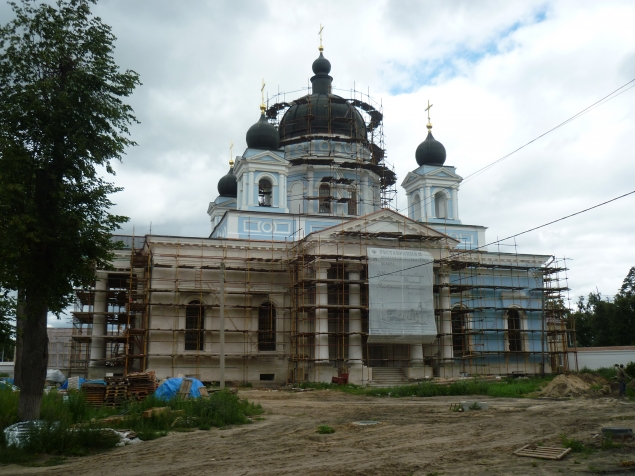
<point>62,123</point>
<point>601,322</point>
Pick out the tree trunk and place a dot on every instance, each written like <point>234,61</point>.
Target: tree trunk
<point>34,360</point>
<point>19,332</point>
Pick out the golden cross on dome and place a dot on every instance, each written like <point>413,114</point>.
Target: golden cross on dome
<point>427,109</point>
<point>231,154</point>
<point>262,97</point>
<point>321,48</point>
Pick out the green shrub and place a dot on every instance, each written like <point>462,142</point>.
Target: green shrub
<point>325,430</point>
<point>8,407</point>
<point>630,369</point>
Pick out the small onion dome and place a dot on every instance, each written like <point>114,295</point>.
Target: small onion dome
<point>263,135</point>
<point>227,185</point>
<point>321,65</point>
<point>430,151</point>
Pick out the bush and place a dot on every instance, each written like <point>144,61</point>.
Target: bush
<point>8,407</point>
<point>630,369</point>
<point>325,430</point>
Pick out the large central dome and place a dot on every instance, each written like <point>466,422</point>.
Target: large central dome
<point>321,113</point>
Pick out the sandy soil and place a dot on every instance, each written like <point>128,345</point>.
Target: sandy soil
<point>417,436</point>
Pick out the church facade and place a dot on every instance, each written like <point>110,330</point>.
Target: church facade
<point>308,275</point>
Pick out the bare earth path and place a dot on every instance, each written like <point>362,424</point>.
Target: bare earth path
<point>417,436</point>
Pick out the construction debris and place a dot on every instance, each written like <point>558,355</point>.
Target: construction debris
<point>542,452</point>
<point>136,387</point>
<point>572,385</point>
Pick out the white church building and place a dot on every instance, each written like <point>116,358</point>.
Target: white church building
<point>311,276</point>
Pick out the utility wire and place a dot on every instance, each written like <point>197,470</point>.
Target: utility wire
<point>582,112</point>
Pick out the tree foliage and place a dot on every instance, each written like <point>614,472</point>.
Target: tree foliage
<point>7,319</point>
<point>62,123</point>
<point>602,322</point>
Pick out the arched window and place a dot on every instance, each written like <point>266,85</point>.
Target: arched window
<point>296,198</point>
<point>459,335</point>
<point>195,326</point>
<point>514,331</point>
<point>416,207</point>
<point>325,198</point>
<point>267,327</point>
<point>352,203</point>
<point>440,205</point>
<point>264,193</point>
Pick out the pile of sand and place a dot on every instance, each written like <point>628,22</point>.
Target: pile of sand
<point>576,385</point>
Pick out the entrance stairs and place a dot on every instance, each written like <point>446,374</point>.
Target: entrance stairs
<point>388,377</point>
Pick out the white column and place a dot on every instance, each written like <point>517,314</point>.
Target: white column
<point>309,193</point>
<point>250,197</point>
<point>97,365</point>
<point>283,192</point>
<point>446,320</point>
<point>425,203</point>
<point>321,314</point>
<point>354,316</point>
<point>455,204</point>
<point>245,183</point>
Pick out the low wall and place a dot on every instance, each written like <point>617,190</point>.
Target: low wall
<point>6,368</point>
<point>597,357</point>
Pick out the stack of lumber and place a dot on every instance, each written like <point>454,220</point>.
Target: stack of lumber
<point>116,391</point>
<point>95,393</point>
<point>140,385</point>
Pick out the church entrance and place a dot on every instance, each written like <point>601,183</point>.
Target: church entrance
<point>388,355</point>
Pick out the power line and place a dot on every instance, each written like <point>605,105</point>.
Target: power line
<point>575,116</point>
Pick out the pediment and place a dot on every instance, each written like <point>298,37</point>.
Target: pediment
<point>442,172</point>
<point>266,156</point>
<point>382,223</point>
<point>410,178</point>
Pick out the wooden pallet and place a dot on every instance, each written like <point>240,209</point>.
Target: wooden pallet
<point>543,452</point>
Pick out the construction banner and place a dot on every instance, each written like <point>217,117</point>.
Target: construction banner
<point>401,305</point>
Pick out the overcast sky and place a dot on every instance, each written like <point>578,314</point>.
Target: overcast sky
<point>499,74</point>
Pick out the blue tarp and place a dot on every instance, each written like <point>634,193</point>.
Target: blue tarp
<point>170,388</point>
<point>64,386</point>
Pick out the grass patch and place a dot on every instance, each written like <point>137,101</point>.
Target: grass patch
<point>576,445</point>
<point>505,388</point>
<point>325,430</point>
<point>74,428</point>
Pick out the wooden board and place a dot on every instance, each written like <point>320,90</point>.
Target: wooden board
<point>543,452</point>
<point>186,385</point>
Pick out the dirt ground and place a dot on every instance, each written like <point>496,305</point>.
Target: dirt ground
<point>417,436</point>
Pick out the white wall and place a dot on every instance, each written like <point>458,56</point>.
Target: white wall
<point>597,357</point>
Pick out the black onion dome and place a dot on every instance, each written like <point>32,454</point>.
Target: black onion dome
<point>321,65</point>
<point>263,135</point>
<point>322,113</point>
<point>227,185</point>
<point>430,152</point>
